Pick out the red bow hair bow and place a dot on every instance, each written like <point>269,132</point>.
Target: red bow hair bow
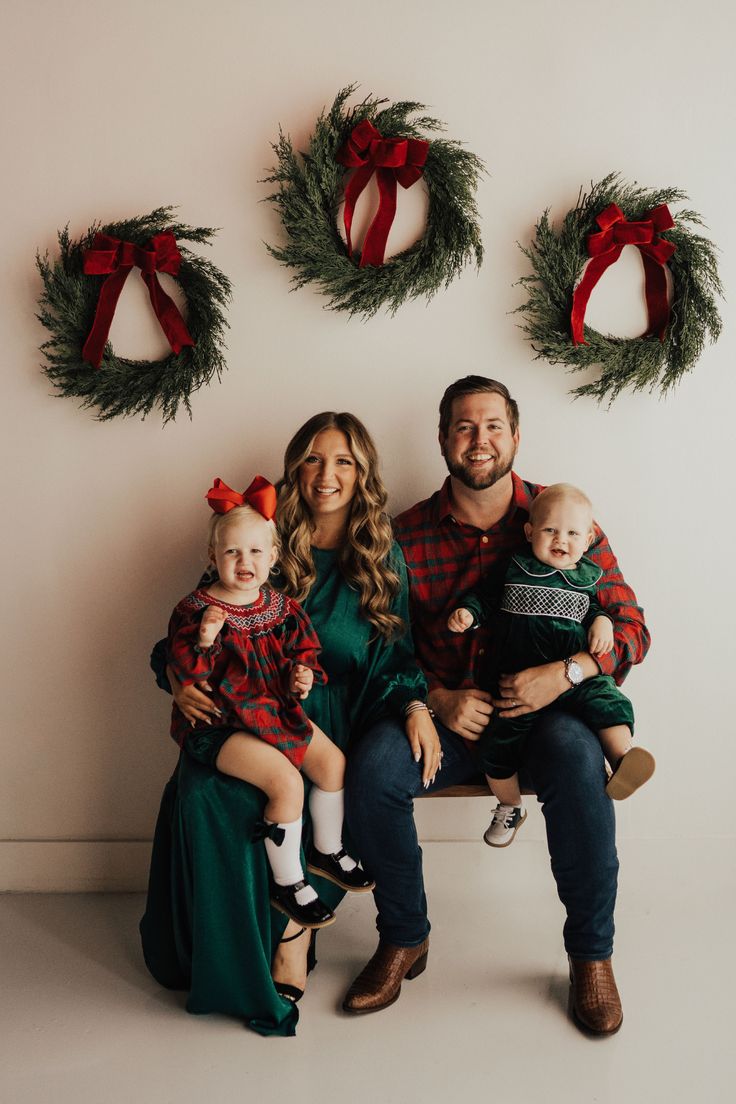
<point>261,495</point>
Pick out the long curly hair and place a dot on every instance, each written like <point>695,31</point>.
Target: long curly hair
<point>364,556</point>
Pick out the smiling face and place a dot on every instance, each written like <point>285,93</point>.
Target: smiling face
<point>244,553</point>
<point>328,476</point>
<point>479,446</point>
<point>561,532</point>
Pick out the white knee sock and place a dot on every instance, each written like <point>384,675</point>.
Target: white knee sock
<point>285,861</point>
<point>326,807</point>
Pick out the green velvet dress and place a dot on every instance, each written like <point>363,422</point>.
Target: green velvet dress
<point>208,925</point>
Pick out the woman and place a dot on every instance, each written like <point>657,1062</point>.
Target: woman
<point>208,924</point>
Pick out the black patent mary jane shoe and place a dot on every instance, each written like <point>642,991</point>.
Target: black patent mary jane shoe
<point>328,866</point>
<point>314,914</point>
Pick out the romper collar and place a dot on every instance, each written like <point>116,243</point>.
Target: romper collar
<point>585,574</point>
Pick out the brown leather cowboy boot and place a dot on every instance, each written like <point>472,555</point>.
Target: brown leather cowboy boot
<point>379,984</point>
<point>594,1000</point>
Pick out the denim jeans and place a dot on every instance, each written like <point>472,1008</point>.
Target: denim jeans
<point>563,764</point>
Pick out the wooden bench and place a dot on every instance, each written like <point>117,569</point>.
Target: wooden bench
<point>467,789</point>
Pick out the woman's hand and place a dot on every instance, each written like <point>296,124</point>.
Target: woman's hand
<point>466,712</point>
<point>425,743</point>
<point>192,701</point>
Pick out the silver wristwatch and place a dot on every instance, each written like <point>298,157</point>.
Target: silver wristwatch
<point>573,672</point>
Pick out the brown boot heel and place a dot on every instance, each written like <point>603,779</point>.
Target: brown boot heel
<point>418,968</point>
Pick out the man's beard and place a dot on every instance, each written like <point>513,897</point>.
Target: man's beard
<point>479,481</point>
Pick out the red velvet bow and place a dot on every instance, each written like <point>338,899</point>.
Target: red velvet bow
<point>604,249</point>
<point>261,495</point>
<point>391,159</point>
<point>115,259</point>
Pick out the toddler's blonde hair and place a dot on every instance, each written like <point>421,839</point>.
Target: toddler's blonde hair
<point>218,522</point>
<point>554,493</point>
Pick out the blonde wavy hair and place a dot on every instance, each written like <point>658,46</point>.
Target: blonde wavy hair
<point>364,556</point>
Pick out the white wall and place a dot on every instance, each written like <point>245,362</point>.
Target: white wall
<point>111,109</point>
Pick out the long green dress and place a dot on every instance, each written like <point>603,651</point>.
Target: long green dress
<point>208,925</point>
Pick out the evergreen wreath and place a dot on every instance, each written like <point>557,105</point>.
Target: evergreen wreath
<point>310,189</point>
<point>70,306</point>
<point>676,335</point>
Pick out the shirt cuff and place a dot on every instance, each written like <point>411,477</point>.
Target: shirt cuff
<point>400,697</point>
<point>607,663</point>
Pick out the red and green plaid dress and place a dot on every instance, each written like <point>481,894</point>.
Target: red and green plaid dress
<point>248,667</point>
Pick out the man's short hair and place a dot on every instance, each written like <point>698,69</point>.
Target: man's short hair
<point>476,385</point>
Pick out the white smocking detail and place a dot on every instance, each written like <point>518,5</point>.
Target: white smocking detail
<point>540,601</point>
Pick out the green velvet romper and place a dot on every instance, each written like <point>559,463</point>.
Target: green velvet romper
<point>541,614</point>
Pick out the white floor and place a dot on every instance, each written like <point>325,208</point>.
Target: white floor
<point>83,1022</point>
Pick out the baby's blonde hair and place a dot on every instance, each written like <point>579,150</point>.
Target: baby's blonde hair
<point>554,493</point>
<point>218,522</point>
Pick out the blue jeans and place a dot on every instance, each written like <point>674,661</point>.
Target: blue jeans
<point>563,764</point>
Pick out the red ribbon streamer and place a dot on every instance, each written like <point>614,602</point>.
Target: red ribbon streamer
<point>261,495</point>
<point>115,259</point>
<point>604,249</point>
<point>392,160</point>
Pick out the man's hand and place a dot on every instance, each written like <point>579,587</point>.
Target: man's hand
<point>212,621</point>
<point>466,712</point>
<point>425,743</point>
<point>460,620</point>
<point>301,680</point>
<point>536,687</point>
<point>192,700</point>
<point>600,636</point>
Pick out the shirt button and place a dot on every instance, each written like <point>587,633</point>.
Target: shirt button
<point>481,651</point>
<point>484,540</point>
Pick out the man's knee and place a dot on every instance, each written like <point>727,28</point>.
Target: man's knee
<point>564,746</point>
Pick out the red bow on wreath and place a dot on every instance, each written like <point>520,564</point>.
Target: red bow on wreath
<point>392,160</point>
<point>115,258</point>
<point>604,249</point>
<point>261,495</point>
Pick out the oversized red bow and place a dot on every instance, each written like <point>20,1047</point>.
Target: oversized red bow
<point>604,249</point>
<point>115,258</point>
<point>391,159</point>
<point>261,495</point>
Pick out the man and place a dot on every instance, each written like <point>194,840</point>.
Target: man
<point>471,524</point>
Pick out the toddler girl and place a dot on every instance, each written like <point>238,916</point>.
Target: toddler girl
<point>258,651</point>
<point>546,609</point>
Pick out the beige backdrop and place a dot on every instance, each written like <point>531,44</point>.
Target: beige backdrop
<point>111,109</point>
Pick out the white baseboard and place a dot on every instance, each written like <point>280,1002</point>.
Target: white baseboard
<point>74,866</point>
<point>121,866</point>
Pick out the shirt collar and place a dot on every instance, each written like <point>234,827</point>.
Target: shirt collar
<point>520,500</point>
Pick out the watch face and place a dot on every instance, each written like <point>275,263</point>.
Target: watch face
<point>574,672</point>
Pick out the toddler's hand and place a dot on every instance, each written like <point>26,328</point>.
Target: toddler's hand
<point>460,620</point>
<point>212,621</point>
<point>301,680</point>
<point>600,636</point>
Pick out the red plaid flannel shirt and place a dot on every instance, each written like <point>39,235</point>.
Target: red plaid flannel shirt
<point>446,557</point>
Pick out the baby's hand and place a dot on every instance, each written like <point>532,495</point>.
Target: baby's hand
<point>600,636</point>
<point>212,621</point>
<point>301,680</point>
<point>460,620</point>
